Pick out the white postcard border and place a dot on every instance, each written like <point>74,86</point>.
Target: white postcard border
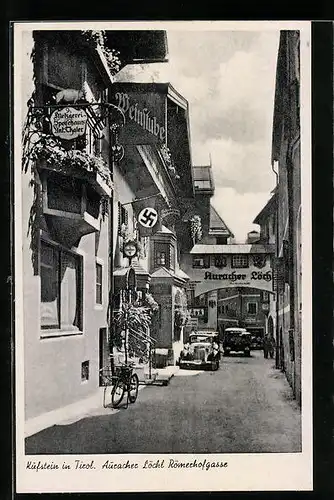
<point>244,472</point>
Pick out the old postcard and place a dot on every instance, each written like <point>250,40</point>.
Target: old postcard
<point>163,311</point>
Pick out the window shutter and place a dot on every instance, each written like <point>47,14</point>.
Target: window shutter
<point>125,216</point>
<point>278,274</point>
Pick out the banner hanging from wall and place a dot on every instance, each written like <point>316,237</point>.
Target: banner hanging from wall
<point>148,215</point>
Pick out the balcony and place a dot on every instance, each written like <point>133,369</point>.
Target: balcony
<point>71,206</point>
<point>75,186</point>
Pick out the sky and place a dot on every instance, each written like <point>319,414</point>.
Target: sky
<point>228,79</point>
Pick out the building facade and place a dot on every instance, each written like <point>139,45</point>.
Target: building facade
<point>156,168</point>
<point>220,272</point>
<point>244,308</point>
<point>267,220</point>
<point>283,211</point>
<point>286,152</point>
<point>69,174</point>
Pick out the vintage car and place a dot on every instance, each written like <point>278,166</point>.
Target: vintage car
<point>236,340</point>
<point>257,342</point>
<point>202,351</point>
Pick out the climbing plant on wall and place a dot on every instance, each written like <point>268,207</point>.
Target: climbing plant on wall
<point>97,38</point>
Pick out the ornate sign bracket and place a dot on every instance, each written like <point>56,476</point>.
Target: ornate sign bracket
<point>68,122</point>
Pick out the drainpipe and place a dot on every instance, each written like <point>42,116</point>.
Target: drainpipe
<point>278,343</point>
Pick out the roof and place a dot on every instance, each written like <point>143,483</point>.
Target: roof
<point>203,178</point>
<point>217,224</point>
<point>162,272</point>
<point>232,249</point>
<point>139,270</point>
<point>165,230</point>
<point>235,328</point>
<point>120,271</point>
<point>267,209</point>
<point>203,332</point>
<point>181,274</point>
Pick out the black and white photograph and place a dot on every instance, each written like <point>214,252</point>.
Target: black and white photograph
<point>163,319</point>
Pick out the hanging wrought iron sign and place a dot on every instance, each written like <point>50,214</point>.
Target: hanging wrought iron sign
<point>68,123</point>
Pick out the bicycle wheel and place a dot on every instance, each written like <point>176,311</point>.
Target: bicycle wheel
<point>117,393</point>
<point>133,388</point>
<point>107,396</point>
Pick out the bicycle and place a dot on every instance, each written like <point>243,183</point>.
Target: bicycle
<point>124,380</point>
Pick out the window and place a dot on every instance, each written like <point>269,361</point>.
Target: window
<point>71,195</point>
<point>160,258</point>
<point>202,184</point>
<point>240,261</point>
<point>93,202</point>
<point>220,261</point>
<point>93,142</point>
<point>172,256</point>
<point>61,293</point>
<point>64,193</point>
<point>161,255</point>
<point>252,308</point>
<point>221,309</point>
<point>99,282</point>
<point>123,217</point>
<point>84,371</point>
<point>201,261</point>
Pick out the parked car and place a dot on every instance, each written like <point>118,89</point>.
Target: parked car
<point>236,340</point>
<point>202,351</point>
<point>257,342</point>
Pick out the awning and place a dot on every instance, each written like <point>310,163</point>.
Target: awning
<point>232,249</point>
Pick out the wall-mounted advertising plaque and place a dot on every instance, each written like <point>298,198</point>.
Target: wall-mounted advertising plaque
<point>68,123</point>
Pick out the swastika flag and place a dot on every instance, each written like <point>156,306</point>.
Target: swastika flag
<point>148,217</point>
